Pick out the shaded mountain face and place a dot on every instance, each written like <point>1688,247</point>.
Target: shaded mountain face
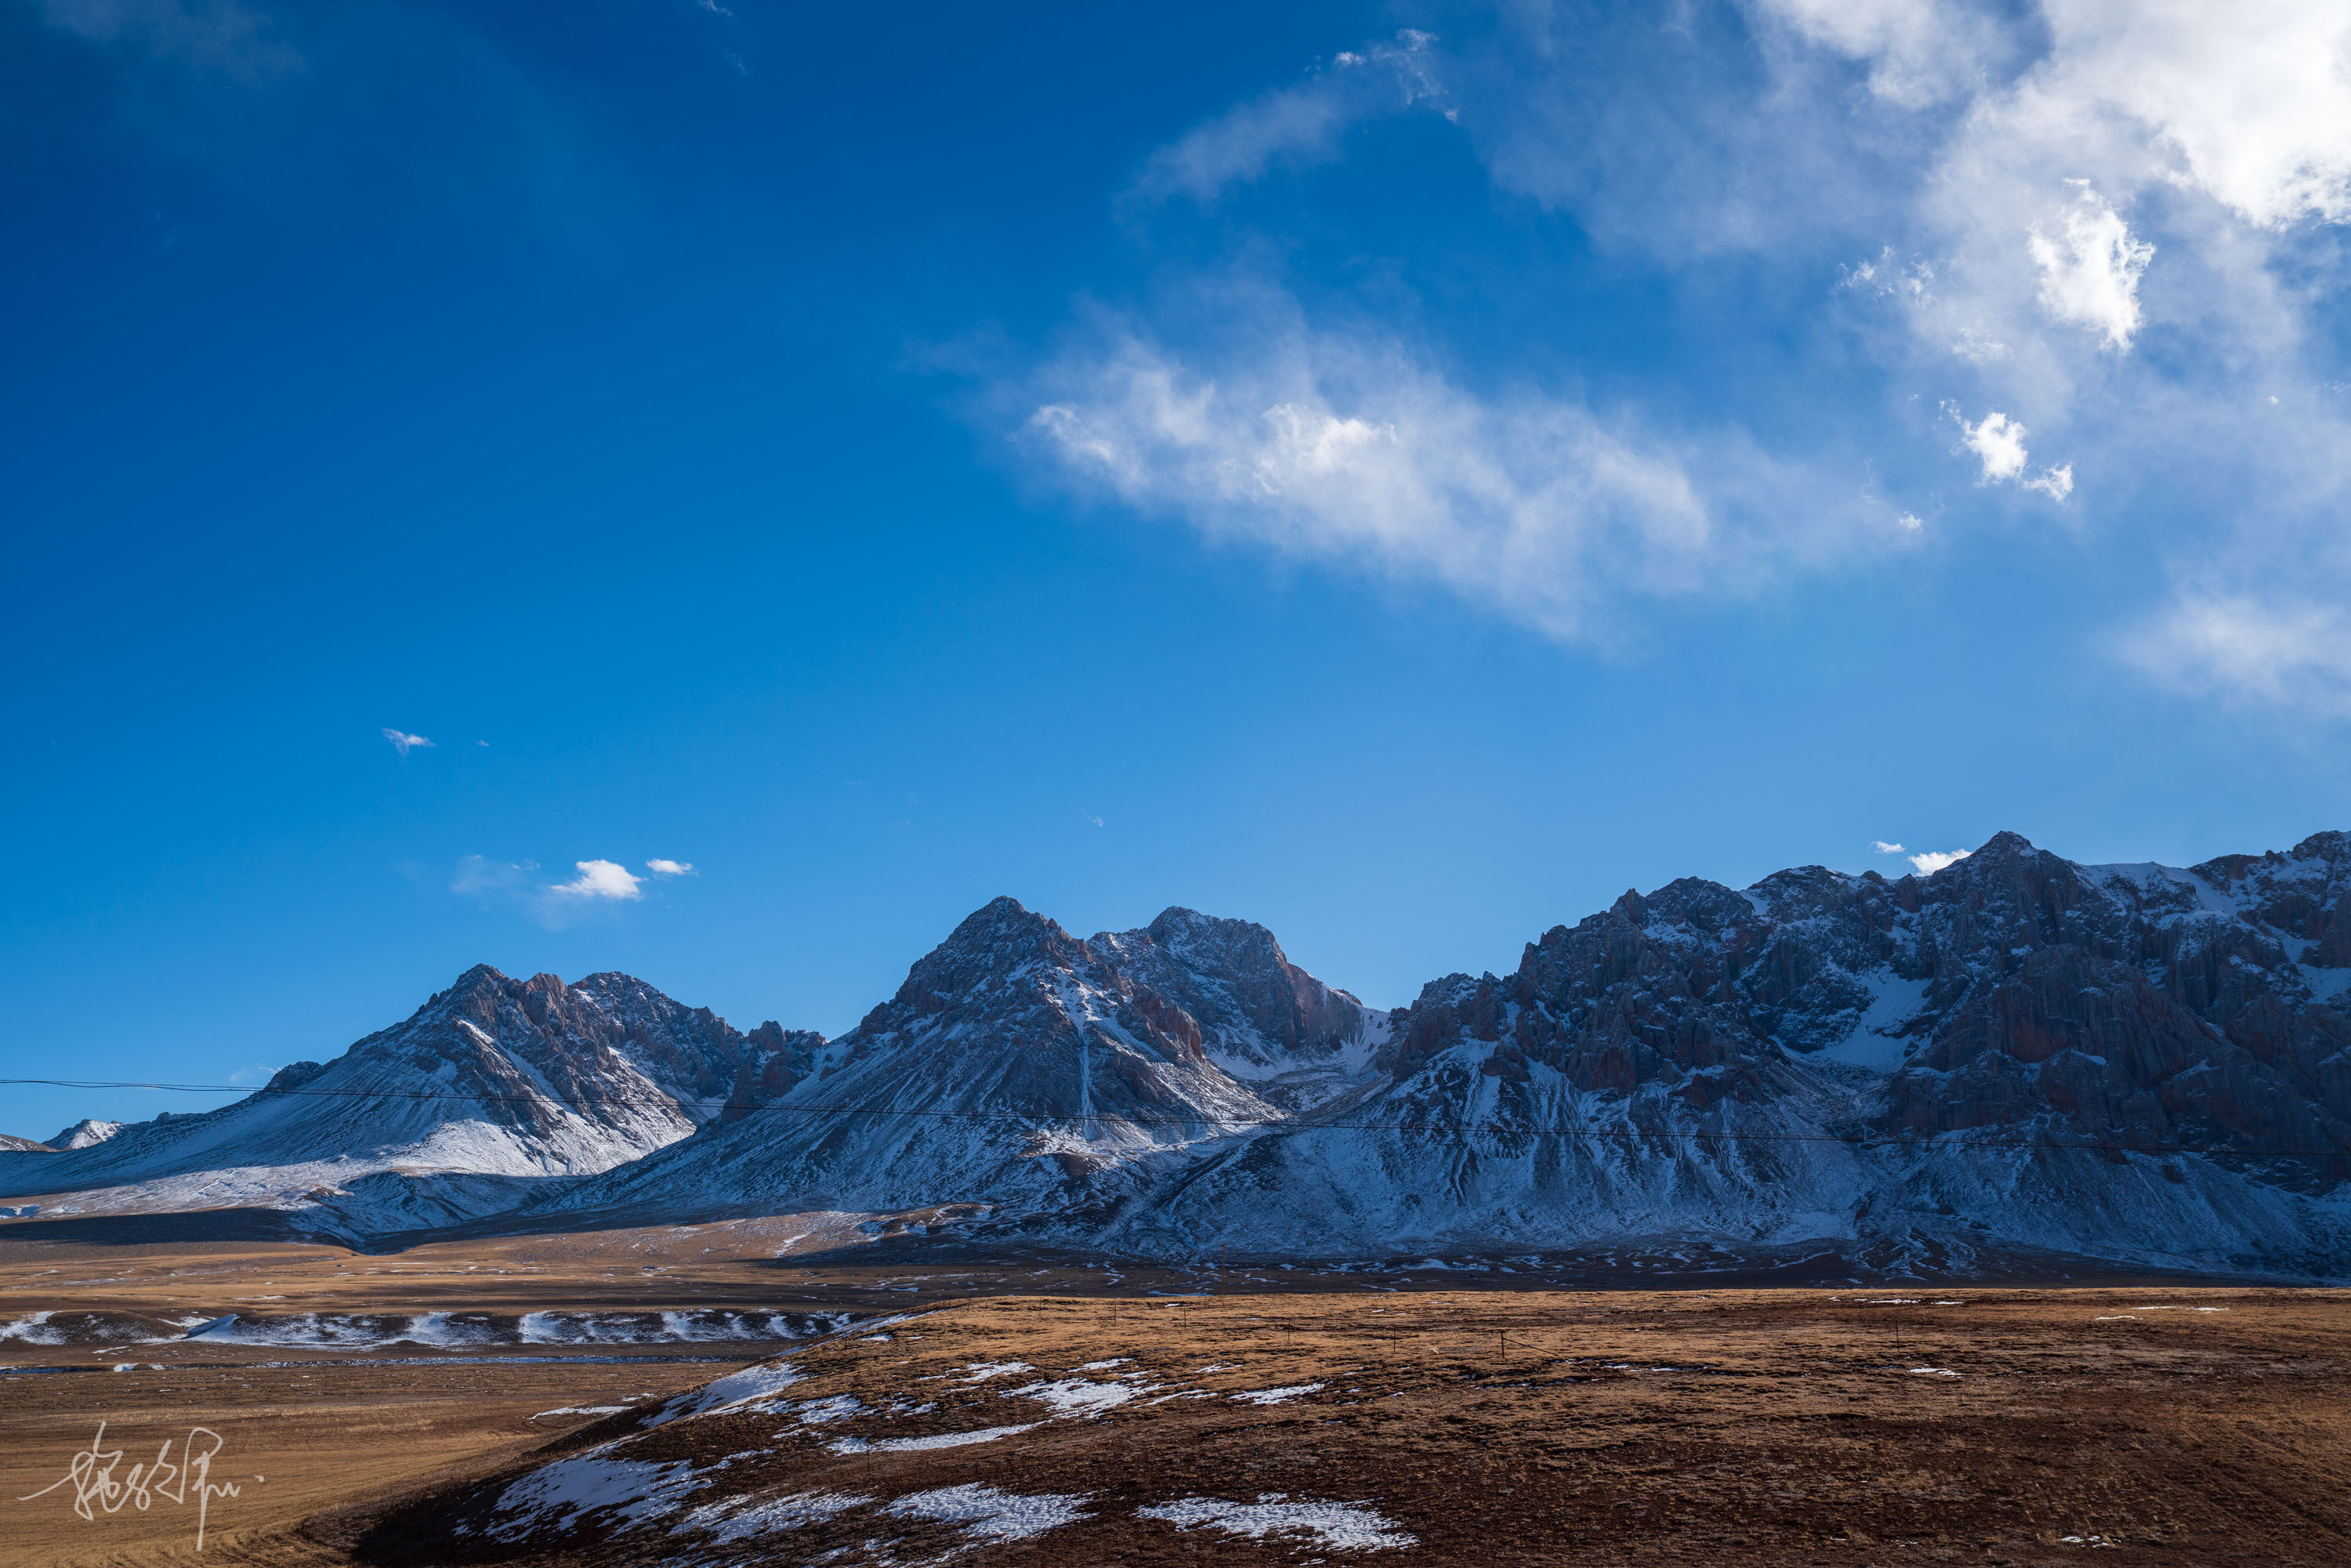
<point>1261,1018</point>
<point>504,1079</point>
<point>1020,1066</point>
<point>2131,1005</point>
<point>2016,1053</point>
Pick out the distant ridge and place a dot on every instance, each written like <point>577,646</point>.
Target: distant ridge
<point>2143,1065</point>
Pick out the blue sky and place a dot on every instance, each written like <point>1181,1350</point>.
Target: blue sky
<point>1403,474</point>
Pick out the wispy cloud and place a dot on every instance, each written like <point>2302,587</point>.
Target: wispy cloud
<point>1294,125</point>
<point>1882,847</point>
<point>2290,651</point>
<point>1090,817</point>
<point>403,742</point>
<point>1336,446</point>
<point>1933,860</point>
<point>670,868</point>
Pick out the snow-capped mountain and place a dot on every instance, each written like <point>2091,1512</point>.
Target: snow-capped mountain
<point>2130,1062</point>
<point>492,1087</point>
<point>1022,1068</point>
<point>2017,1055</point>
<point>85,1134</point>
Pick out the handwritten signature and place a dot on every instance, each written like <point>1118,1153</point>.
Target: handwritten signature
<point>91,1475</point>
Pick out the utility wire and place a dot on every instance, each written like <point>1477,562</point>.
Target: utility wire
<point>1299,1124</point>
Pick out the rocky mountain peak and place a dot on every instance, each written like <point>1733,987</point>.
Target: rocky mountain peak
<point>1001,956</point>
<point>87,1132</point>
<point>1258,1014</point>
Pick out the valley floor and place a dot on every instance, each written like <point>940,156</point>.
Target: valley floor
<point>1394,1418</point>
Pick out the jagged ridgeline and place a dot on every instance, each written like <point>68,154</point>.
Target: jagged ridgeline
<point>2017,1058</point>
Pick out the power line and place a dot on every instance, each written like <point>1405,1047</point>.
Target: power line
<point>1290,1123</point>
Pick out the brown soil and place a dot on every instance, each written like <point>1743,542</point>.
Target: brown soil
<point>1497,1426</point>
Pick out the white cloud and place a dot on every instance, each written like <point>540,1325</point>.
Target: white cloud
<point>2054,483</point>
<point>1998,442</point>
<point>2090,270</point>
<point>1919,52</point>
<point>2294,654</point>
<point>1933,860</point>
<point>600,880</point>
<point>2248,102</point>
<point>1882,847</point>
<point>1090,817</point>
<point>519,885</point>
<point>1300,124</point>
<point>1333,447</point>
<point>670,868</point>
<point>403,742</point>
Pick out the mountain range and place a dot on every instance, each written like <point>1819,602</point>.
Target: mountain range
<point>2014,1061</point>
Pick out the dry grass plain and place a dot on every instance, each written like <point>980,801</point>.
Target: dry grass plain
<point>2109,1425</point>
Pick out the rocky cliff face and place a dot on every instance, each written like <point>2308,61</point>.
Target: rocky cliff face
<point>1262,1017</point>
<point>2131,1062</point>
<point>495,1077</point>
<point>2111,1004</point>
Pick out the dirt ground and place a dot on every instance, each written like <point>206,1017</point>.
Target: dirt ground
<point>1505,1425</point>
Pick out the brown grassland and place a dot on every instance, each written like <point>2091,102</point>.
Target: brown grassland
<point>2116,1425</point>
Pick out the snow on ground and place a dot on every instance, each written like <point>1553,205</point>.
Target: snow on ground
<point>739,1520</point>
<point>558,1495</point>
<point>1079,1396</point>
<point>917,1445</point>
<point>748,1386</point>
<point>33,1329</point>
<point>1335,1526</point>
<point>1277,1395</point>
<point>987,1514</point>
<point>981,1371</point>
